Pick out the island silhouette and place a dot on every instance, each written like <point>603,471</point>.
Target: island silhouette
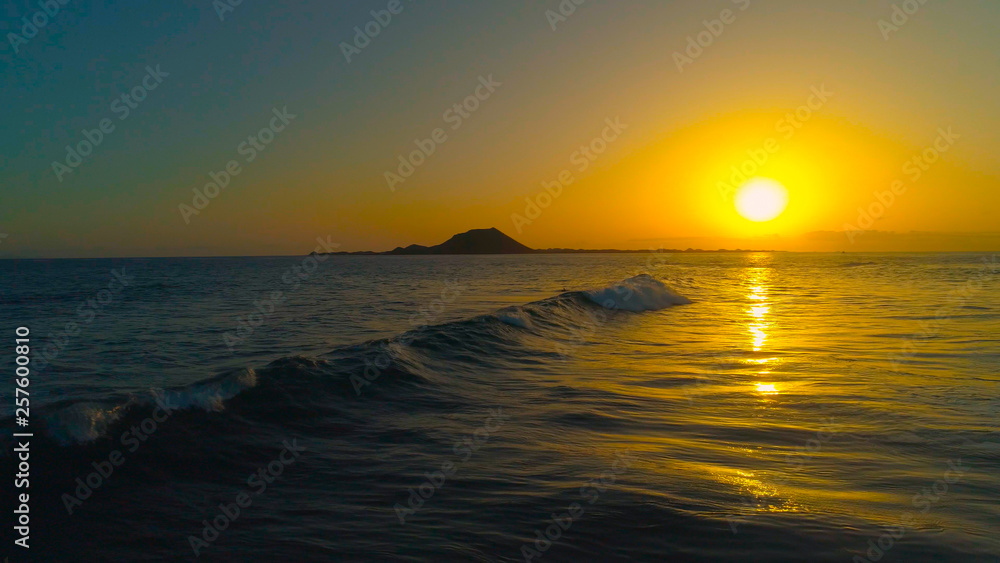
<point>494,241</point>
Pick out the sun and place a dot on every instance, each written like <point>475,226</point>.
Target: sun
<point>761,199</point>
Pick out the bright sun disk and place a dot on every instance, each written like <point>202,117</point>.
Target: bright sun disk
<point>761,199</point>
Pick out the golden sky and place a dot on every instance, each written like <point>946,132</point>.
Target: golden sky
<point>880,126</point>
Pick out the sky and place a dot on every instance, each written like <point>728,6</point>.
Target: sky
<point>600,125</point>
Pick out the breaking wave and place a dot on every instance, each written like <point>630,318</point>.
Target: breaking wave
<point>423,356</point>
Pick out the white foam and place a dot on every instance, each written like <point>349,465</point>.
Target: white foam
<point>637,294</point>
<point>85,422</point>
<point>514,316</point>
<point>209,395</point>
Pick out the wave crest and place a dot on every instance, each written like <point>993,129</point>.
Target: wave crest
<point>417,357</point>
<point>637,294</point>
<point>85,422</point>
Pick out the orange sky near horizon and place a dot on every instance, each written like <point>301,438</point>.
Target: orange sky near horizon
<point>886,139</point>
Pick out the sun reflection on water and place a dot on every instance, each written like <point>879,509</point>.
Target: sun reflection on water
<point>759,324</point>
<point>767,389</point>
<point>759,321</point>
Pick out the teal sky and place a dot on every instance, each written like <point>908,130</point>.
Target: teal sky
<point>323,175</point>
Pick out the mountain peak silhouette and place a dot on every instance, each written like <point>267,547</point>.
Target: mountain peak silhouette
<point>493,241</point>
<point>476,241</point>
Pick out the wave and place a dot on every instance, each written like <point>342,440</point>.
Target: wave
<point>420,357</point>
<point>514,316</point>
<point>637,294</point>
<point>85,421</point>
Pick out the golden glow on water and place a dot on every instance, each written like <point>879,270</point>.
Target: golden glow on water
<point>759,324</point>
<point>767,389</point>
<point>750,418</point>
<point>758,495</point>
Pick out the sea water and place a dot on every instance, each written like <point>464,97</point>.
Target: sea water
<point>640,407</point>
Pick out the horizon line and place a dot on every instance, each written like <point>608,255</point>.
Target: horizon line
<point>375,254</point>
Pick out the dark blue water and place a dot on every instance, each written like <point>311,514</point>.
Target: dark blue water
<point>757,407</point>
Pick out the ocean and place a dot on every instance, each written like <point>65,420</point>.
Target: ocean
<point>735,407</point>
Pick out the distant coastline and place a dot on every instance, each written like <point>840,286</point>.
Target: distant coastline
<point>493,241</point>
